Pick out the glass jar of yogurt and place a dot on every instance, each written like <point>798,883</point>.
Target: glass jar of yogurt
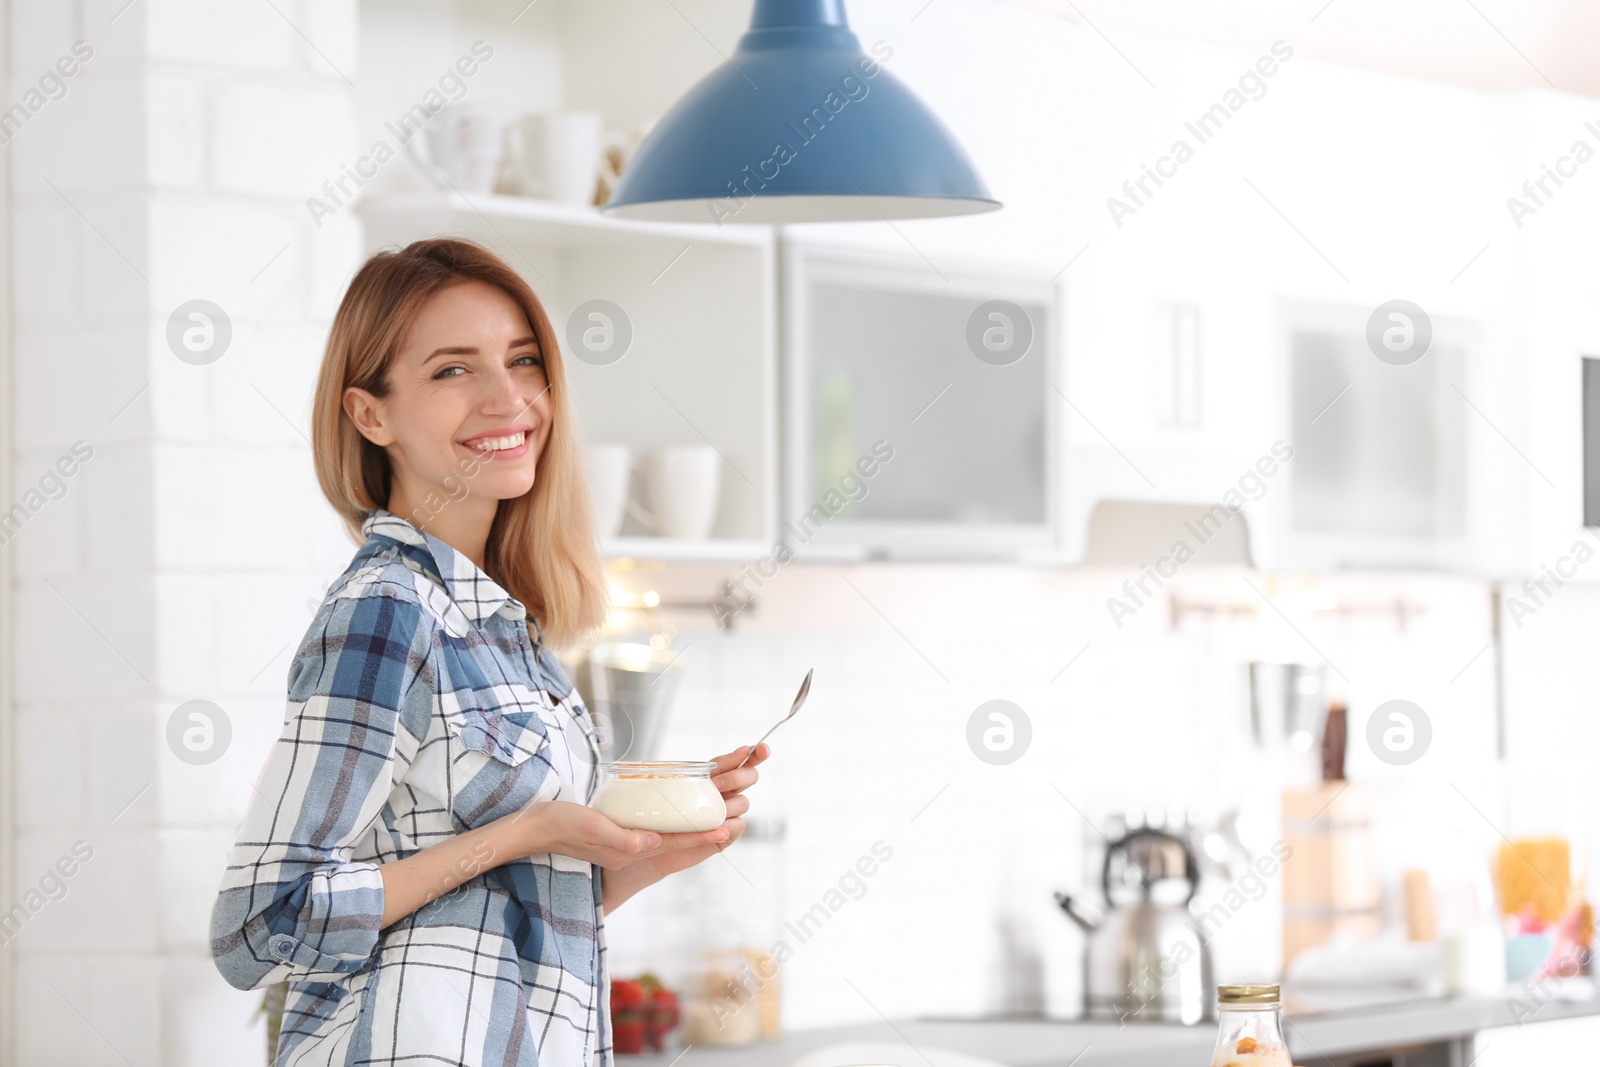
<point>667,798</point>
<point>1250,1028</point>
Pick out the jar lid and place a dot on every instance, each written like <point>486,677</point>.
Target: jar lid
<point>1247,994</point>
<point>659,768</point>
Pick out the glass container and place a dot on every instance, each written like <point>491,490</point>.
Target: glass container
<point>664,797</point>
<point>1250,1028</point>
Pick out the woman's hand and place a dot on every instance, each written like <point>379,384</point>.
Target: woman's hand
<point>575,830</point>
<point>731,783</point>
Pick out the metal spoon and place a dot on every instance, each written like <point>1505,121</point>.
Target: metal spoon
<point>799,699</point>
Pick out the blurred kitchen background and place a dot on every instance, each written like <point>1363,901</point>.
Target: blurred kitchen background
<point>803,456</point>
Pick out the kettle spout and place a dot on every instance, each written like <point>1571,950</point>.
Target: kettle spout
<point>1075,913</point>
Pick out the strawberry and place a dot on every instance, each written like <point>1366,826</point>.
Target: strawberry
<point>628,1016</point>
<point>665,1003</point>
<point>661,1017</point>
<point>627,1035</point>
<point>626,996</point>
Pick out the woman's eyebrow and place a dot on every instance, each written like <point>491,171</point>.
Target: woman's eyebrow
<point>450,350</point>
<point>469,350</point>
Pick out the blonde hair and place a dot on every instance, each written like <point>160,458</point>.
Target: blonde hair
<point>542,544</point>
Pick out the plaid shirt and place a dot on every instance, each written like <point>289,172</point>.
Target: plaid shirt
<point>418,708</point>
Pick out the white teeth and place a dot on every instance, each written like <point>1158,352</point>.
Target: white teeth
<point>496,444</point>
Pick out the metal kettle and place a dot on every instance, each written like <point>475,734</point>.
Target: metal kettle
<point>1145,958</point>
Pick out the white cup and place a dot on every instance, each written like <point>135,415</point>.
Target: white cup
<point>683,482</point>
<point>463,150</point>
<point>555,155</point>
<point>1474,961</point>
<point>608,467</point>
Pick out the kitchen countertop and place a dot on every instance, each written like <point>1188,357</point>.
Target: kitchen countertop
<point>1035,1042</point>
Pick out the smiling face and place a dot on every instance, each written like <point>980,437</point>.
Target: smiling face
<point>467,409</point>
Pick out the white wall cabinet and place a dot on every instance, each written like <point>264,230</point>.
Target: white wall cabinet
<point>1387,471</point>
<point>1178,366</point>
<point>937,380</point>
<point>1469,460</point>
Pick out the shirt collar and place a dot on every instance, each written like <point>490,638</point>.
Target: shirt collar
<point>474,592</point>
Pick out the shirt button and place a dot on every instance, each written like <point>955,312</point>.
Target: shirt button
<point>282,946</point>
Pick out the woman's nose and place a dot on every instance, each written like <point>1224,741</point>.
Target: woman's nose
<point>504,395</point>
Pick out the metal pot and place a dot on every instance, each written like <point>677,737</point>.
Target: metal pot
<point>1145,958</point>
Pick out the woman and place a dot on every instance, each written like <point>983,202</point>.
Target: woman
<point>418,861</point>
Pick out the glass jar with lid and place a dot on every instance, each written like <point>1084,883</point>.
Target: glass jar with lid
<point>1250,1028</point>
<point>664,797</point>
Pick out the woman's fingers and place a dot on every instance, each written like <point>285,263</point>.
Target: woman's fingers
<point>636,843</point>
<point>669,842</point>
<point>729,760</point>
<point>597,829</point>
<point>738,804</point>
<point>641,841</point>
<point>735,827</point>
<point>735,782</point>
<point>730,780</point>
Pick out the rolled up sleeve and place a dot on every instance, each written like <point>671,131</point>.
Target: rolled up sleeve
<point>293,904</point>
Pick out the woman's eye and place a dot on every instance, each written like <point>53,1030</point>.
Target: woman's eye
<point>448,372</point>
<point>529,361</point>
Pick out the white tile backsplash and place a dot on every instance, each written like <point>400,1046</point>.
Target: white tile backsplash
<point>1144,716</point>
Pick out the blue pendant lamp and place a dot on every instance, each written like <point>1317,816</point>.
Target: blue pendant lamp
<point>800,125</point>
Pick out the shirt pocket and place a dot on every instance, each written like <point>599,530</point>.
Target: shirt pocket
<point>511,737</point>
<point>498,764</point>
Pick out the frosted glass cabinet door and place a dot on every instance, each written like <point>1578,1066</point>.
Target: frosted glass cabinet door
<point>884,356</point>
<point>1381,462</point>
<point>1384,459</point>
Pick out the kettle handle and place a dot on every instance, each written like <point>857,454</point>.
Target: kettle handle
<point>1071,908</point>
<point>1191,869</point>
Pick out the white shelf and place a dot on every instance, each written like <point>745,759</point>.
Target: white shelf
<point>551,224</point>
<point>713,549</point>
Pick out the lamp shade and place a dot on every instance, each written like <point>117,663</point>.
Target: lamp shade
<point>800,125</point>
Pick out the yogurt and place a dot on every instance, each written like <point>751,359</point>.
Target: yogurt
<point>667,798</point>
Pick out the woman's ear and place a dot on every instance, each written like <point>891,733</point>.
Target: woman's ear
<point>366,411</point>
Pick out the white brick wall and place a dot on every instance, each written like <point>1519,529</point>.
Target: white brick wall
<point>197,33</point>
<point>88,1010</point>
<point>252,121</point>
<point>50,419</point>
<point>175,168</point>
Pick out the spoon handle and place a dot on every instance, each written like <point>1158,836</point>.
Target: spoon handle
<point>757,745</point>
<point>799,700</point>
<point>762,738</point>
